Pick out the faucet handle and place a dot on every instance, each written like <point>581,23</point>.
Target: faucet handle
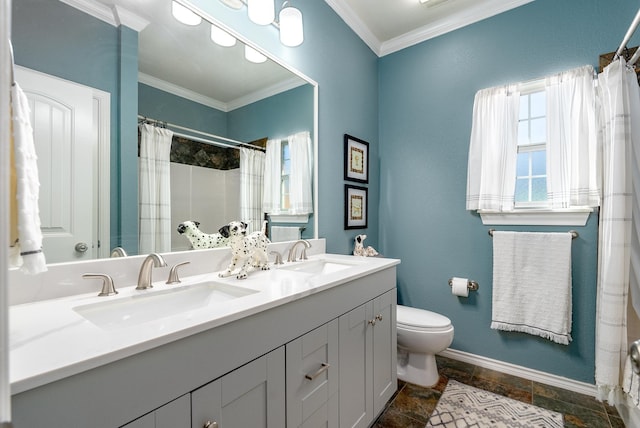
<point>278,260</point>
<point>108,289</point>
<point>173,273</point>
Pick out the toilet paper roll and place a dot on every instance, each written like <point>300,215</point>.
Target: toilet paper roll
<point>460,287</point>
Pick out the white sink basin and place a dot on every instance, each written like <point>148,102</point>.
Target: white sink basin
<point>153,305</point>
<point>317,267</point>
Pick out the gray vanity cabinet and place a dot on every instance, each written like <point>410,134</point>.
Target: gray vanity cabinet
<point>250,396</point>
<point>312,378</point>
<point>174,414</point>
<point>367,346</point>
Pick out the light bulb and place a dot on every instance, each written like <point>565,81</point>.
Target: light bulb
<point>253,55</point>
<point>291,30</point>
<point>184,15</point>
<point>221,37</point>
<point>262,12</point>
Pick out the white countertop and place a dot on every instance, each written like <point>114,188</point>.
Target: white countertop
<point>49,340</point>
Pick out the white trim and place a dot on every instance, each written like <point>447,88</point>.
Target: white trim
<point>181,92</point>
<point>102,112</point>
<point>523,372</point>
<point>462,18</point>
<point>265,93</point>
<point>116,15</point>
<point>537,217</point>
<point>289,218</point>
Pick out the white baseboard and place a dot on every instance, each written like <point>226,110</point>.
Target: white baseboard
<point>523,372</point>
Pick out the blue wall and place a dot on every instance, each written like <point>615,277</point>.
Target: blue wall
<point>414,108</point>
<point>426,99</point>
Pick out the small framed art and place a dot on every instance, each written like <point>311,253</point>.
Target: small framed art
<point>356,159</point>
<point>355,207</point>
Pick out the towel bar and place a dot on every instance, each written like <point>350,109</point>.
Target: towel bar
<point>471,285</point>
<point>574,234</point>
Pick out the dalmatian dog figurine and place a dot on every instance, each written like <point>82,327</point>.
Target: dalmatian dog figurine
<point>246,250</point>
<point>199,239</point>
<point>360,250</point>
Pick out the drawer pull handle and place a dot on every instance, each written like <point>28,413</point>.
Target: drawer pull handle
<point>323,368</point>
<point>210,424</point>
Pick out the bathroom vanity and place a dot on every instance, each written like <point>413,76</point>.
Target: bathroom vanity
<point>308,343</point>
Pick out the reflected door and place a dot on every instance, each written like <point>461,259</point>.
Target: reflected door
<point>62,121</point>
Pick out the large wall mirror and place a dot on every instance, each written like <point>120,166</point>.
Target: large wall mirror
<point>94,80</point>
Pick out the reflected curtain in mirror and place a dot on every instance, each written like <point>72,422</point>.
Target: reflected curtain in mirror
<point>251,182</point>
<point>300,196</point>
<point>155,189</point>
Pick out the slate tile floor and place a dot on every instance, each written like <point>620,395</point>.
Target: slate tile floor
<point>412,404</point>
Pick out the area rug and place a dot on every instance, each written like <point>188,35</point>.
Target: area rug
<point>465,406</point>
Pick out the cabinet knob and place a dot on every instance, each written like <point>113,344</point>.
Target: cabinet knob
<point>379,317</point>
<point>372,322</point>
<point>210,424</point>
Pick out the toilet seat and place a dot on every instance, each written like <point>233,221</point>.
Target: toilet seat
<point>421,320</point>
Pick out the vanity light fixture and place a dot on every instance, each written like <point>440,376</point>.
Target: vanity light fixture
<point>184,15</point>
<point>262,12</point>
<point>253,55</point>
<point>291,29</point>
<point>221,37</point>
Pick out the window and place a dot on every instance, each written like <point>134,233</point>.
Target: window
<point>531,163</point>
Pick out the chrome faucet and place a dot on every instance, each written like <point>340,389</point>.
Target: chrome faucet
<point>108,289</point>
<point>118,252</point>
<point>144,277</point>
<point>303,254</point>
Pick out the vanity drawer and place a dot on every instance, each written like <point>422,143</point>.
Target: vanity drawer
<point>312,377</point>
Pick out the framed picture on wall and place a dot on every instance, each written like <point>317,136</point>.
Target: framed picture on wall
<point>356,159</point>
<point>355,207</point>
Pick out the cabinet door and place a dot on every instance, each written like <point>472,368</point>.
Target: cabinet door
<point>250,396</point>
<point>312,378</point>
<point>385,377</point>
<point>172,415</point>
<point>356,367</point>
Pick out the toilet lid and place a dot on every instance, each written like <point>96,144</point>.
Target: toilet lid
<point>420,318</point>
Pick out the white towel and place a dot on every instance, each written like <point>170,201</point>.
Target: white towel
<point>284,233</point>
<point>532,284</point>
<point>28,183</point>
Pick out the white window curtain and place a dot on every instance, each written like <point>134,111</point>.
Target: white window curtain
<point>301,196</point>
<point>272,174</point>
<point>491,171</point>
<point>619,99</point>
<point>572,150</point>
<point>251,184</point>
<point>154,192</point>
<point>301,178</point>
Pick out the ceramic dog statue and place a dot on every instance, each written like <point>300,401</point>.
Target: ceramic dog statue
<point>360,250</point>
<point>246,250</point>
<point>198,238</point>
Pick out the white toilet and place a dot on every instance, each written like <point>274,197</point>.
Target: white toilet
<point>421,335</point>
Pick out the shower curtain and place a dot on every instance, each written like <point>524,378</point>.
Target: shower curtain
<point>251,183</point>
<point>619,115</point>
<point>154,192</point>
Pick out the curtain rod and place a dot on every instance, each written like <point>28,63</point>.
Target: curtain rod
<point>630,31</point>
<point>202,140</point>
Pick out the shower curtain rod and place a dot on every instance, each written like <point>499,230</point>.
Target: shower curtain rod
<point>627,37</point>
<point>235,144</point>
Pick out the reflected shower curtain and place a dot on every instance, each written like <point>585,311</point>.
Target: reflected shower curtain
<point>154,192</point>
<point>618,92</point>
<point>251,183</point>
<point>272,177</point>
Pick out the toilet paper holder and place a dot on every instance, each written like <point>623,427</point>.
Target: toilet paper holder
<point>471,285</point>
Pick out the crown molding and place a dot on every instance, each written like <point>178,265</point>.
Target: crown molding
<point>267,92</point>
<point>356,24</point>
<point>115,15</point>
<point>457,20</point>
<point>181,92</point>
